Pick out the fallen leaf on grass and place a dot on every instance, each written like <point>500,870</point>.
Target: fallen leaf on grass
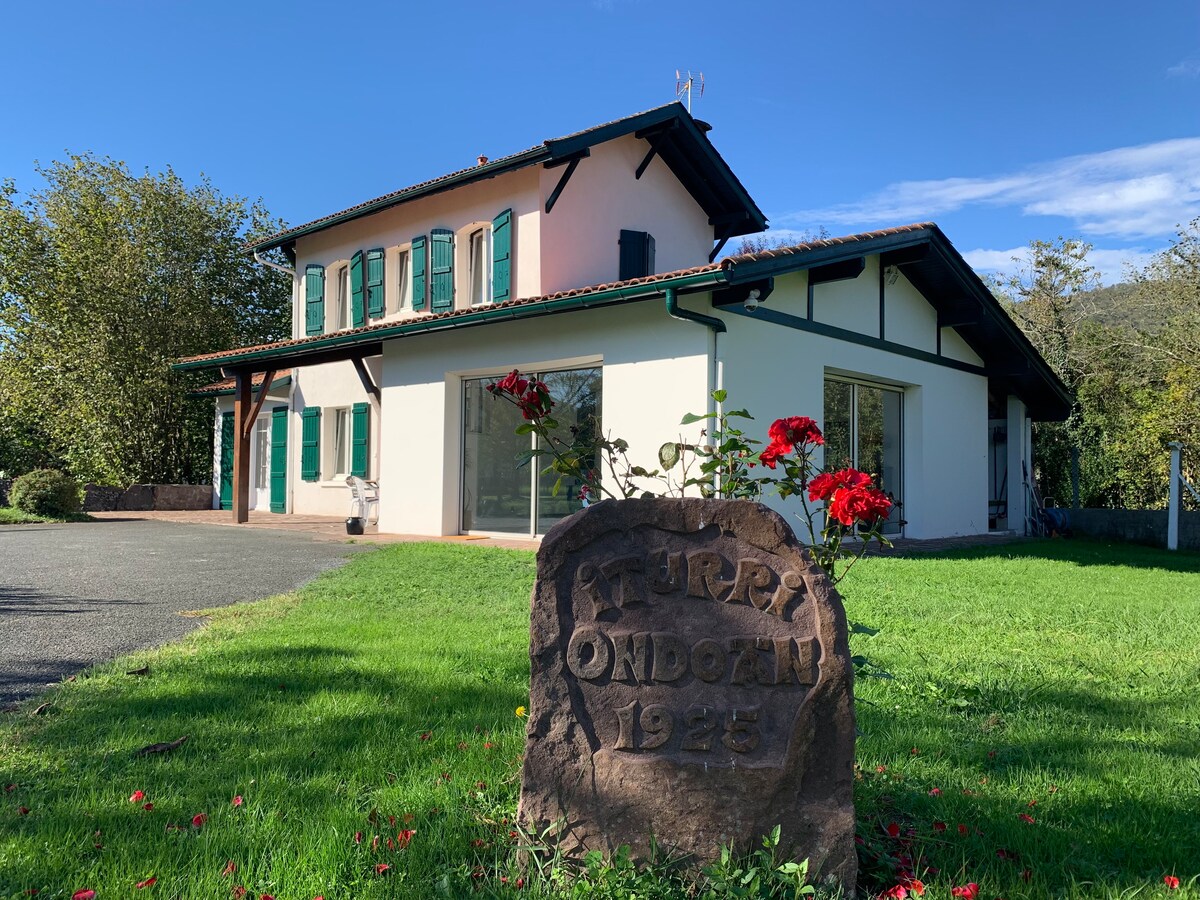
<point>161,748</point>
<point>230,868</point>
<point>149,882</point>
<point>144,670</point>
<point>41,709</point>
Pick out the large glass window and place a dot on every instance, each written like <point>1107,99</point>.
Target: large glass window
<point>862,429</point>
<point>503,490</point>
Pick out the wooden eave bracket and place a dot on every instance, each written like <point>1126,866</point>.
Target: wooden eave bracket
<point>571,162</point>
<point>259,400</point>
<point>364,376</point>
<point>656,138</point>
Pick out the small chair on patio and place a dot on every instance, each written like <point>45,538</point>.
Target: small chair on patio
<point>363,494</point>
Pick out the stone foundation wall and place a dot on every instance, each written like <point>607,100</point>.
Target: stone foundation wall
<point>1136,526</point>
<point>143,497</point>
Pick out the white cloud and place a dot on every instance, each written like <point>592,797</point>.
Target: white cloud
<point>1188,68</point>
<point>1129,192</point>
<point>1112,265</point>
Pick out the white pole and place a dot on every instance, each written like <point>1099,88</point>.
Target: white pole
<point>1175,501</point>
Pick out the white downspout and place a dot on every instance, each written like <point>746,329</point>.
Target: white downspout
<point>276,266</point>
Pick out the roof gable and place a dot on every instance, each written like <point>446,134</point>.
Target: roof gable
<point>670,132</point>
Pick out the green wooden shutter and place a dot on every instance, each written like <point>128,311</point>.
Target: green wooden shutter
<point>226,492</point>
<point>358,309</point>
<point>441,265</point>
<point>375,282</point>
<point>310,444</point>
<point>637,254</point>
<point>502,257</point>
<point>314,296</point>
<point>417,261</point>
<point>360,445</point>
<point>279,433</point>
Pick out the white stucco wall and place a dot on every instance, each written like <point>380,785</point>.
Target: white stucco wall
<point>580,235</point>
<point>777,371</point>
<point>329,386</point>
<point>655,369</point>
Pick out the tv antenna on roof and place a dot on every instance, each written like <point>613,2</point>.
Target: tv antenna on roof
<point>683,87</point>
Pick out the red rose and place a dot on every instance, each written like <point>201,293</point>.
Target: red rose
<point>859,504</point>
<point>512,383</point>
<point>967,892</point>
<point>795,430</point>
<point>771,454</point>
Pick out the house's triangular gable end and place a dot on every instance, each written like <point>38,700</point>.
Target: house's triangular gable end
<point>961,300</point>
<point>670,130</point>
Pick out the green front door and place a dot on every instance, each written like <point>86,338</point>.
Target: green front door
<point>227,460</point>
<point>279,430</point>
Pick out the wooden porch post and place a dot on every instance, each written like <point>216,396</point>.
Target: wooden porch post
<point>241,448</point>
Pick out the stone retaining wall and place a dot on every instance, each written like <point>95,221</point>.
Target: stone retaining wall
<point>143,497</point>
<point>1136,526</point>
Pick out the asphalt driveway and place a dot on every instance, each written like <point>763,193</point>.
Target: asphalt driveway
<point>77,594</point>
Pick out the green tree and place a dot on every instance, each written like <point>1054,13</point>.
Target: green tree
<point>107,277</point>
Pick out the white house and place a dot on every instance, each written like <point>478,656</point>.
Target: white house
<point>590,259</point>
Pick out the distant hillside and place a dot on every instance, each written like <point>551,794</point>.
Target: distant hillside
<point>1119,305</point>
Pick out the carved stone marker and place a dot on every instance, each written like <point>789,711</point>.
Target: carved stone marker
<point>691,680</point>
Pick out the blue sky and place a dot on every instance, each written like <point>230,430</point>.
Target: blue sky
<point>1003,122</point>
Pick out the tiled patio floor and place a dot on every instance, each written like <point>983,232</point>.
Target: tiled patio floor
<point>333,528</point>
<point>322,528</point>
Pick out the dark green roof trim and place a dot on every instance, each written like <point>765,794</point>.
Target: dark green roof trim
<point>297,353</point>
<point>698,165</point>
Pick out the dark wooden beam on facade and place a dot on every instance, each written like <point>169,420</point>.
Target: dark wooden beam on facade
<point>364,376</point>
<point>656,139</point>
<point>904,256</point>
<point>572,163</point>
<point>241,447</point>
<point>258,401</point>
<point>958,318</point>
<point>845,270</point>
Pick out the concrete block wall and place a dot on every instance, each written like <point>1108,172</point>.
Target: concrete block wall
<point>1136,526</point>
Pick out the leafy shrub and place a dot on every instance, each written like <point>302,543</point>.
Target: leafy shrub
<point>45,492</point>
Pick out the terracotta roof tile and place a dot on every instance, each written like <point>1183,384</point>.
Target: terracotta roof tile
<point>228,384</point>
<point>824,242</point>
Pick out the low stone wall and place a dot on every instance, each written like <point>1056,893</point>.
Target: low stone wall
<point>1136,526</point>
<point>144,497</point>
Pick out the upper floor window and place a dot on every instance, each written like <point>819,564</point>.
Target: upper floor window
<point>343,298</point>
<point>479,265</point>
<point>403,280</point>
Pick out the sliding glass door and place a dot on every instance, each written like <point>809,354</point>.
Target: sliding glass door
<point>502,491</point>
<point>863,428</point>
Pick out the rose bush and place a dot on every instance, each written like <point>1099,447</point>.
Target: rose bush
<point>725,463</point>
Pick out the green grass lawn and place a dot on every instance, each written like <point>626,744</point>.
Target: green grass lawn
<point>10,515</point>
<point>1062,675</point>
